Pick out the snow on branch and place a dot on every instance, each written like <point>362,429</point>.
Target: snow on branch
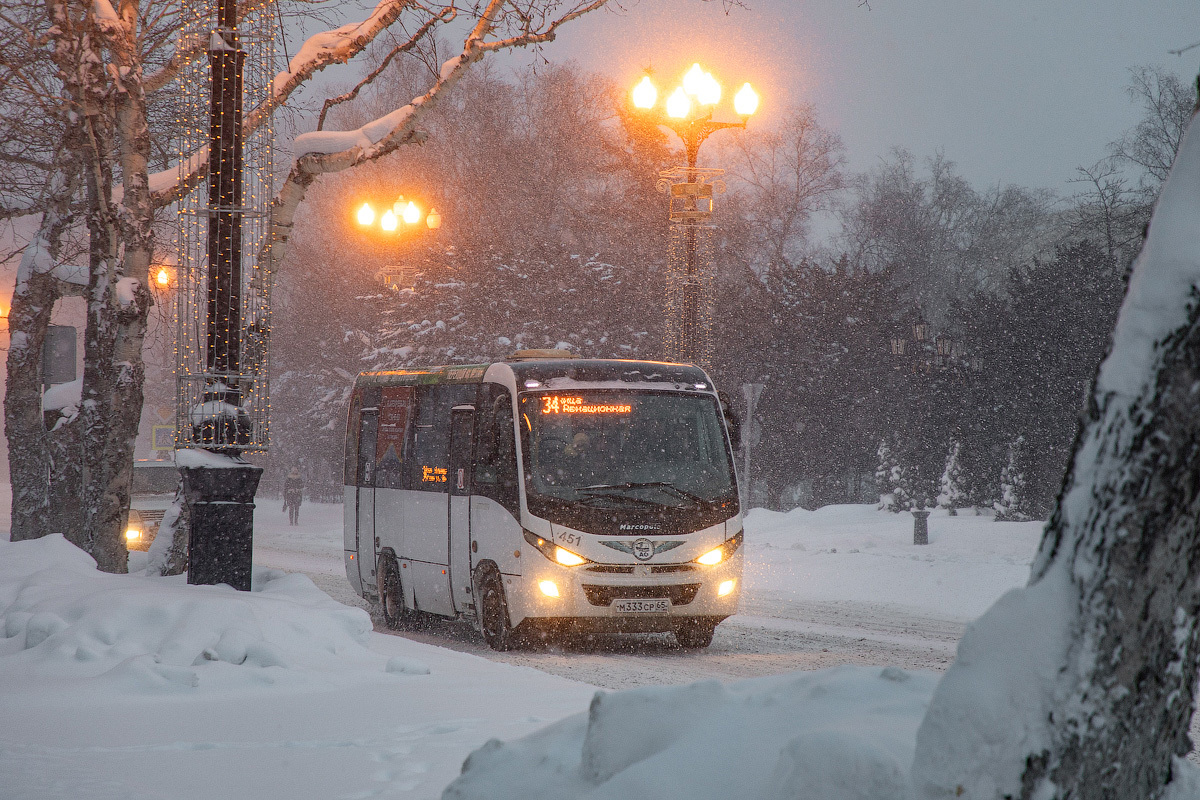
<point>445,15</point>
<point>381,136</point>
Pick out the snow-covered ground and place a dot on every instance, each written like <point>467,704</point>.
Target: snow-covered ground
<point>137,687</point>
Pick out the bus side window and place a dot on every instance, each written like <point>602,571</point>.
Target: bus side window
<point>495,454</point>
<point>427,447</point>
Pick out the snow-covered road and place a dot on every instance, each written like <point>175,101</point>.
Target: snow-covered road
<point>778,629</point>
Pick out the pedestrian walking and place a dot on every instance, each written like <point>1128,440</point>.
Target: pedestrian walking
<point>293,495</point>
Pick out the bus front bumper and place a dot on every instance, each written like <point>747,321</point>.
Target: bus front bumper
<point>648,600</point>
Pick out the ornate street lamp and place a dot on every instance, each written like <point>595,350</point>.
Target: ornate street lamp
<point>688,111</point>
<point>402,216</point>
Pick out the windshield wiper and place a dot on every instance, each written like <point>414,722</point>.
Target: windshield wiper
<point>681,493</point>
<point>624,498</point>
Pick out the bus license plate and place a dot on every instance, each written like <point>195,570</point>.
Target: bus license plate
<point>658,605</point>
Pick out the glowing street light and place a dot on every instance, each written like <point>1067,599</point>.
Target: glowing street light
<point>693,80</point>
<point>688,111</point>
<point>412,214</point>
<point>679,105</point>
<point>644,94</point>
<point>745,102</point>
<point>163,278</point>
<point>406,211</point>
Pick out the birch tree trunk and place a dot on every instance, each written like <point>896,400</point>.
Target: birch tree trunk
<point>1082,685</point>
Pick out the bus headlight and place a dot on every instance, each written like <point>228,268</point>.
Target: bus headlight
<point>567,558</point>
<point>559,555</point>
<point>549,588</point>
<point>133,534</point>
<point>725,588</point>
<point>719,554</point>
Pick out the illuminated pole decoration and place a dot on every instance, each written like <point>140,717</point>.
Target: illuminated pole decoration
<point>224,319</point>
<point>688,111</point>
<point>221,293</point>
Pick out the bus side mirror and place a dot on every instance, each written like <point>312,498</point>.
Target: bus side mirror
<point>732,423</point>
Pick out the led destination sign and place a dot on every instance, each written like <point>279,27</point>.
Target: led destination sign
<point>560,404</point>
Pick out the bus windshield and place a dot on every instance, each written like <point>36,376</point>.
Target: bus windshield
<point>625,449</point>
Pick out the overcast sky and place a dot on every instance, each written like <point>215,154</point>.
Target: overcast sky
<point>1014,91</point>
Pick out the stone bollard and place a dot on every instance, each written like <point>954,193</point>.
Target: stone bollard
<point>920,526</point>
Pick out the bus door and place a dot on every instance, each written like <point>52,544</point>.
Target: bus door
<point>364,504</point>
<point>462,420</point>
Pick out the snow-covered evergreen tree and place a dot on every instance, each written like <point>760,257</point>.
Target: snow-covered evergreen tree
<point>892,480</point>
<point>1013,505</point>
<point>883,474</point>
<point>951,495</point>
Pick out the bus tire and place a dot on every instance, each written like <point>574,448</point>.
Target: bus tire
<point>694,634</point>
<point>391,593</point>
<point>493,612</point>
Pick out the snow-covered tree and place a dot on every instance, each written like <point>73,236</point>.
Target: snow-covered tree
<point>1083,684</point>
<point>888,476</point>
<point>1013,505</point>
<point>94,77</point>
<point>950,491</point>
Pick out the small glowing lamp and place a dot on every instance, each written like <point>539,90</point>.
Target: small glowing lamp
<point>693,81</point>
<point>745,102</point>
<point>710,91</point>
<point>678,105</point>
<point>549,588</point>
<point>411,213</point>
<point>133,534</point>
<point>644,94</point>
<point>398,206</point>
<point>388,221</point>
<point>163,277</point>
<point>434,220</point>
<point>366,214</point>
<point>725,588</point>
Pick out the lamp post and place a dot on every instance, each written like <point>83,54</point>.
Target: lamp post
<point>919,352</point>
<point>688,111</point>
<point>401,217</point>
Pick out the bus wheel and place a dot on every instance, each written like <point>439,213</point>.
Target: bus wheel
<point>694,634</point>
<point>497,630</point>
<point>391,596</point>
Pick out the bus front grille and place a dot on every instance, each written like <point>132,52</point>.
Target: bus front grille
<point>680,594</point>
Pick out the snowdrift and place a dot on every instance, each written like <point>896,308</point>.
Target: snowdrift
<point>844,733</point>
<point>63,620</point>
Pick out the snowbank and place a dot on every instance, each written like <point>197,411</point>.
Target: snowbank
<point>844,733</point>
<point>63,620</point>
<point>127,687</point>
<point>859,554</point>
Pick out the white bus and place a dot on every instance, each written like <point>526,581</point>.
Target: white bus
<point>545,494</point>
